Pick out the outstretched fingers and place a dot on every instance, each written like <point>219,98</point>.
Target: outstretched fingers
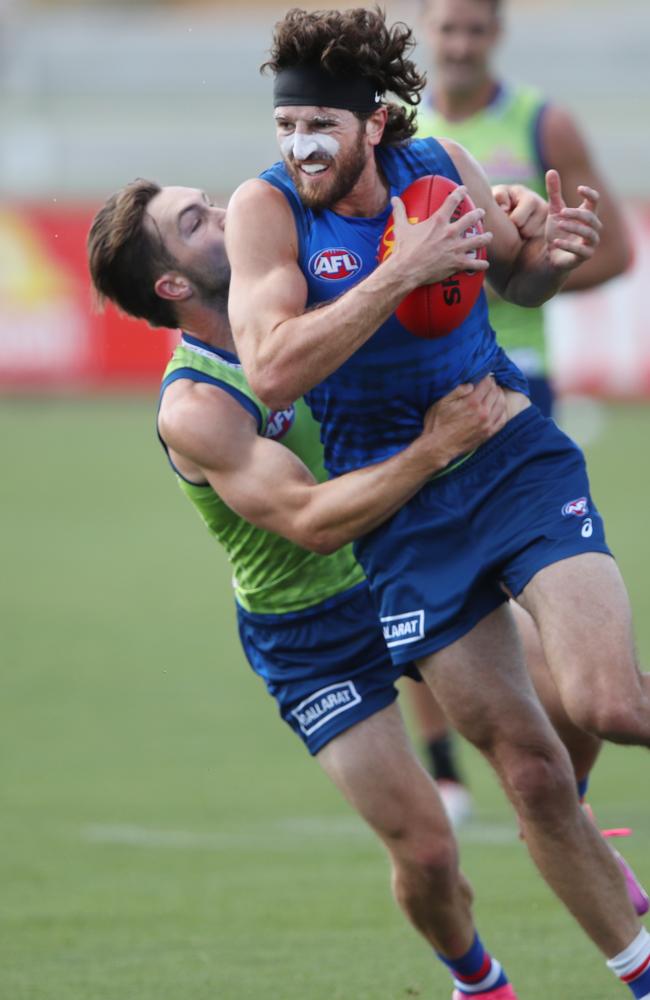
<point>445,242</point>
<point>581,223</point>
<point>574,230</point>
<point>451,202</point>
<point>554,192</point>
<point>590,197</point>
<point>584,251</point>
<point>474,239</point>
<point>472,218</point>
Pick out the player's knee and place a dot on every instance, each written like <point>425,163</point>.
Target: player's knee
<point>422,843</point>
<point>539,780</point>
<point>415,817</point>
<point>425,864</point>
<point>609,718</point>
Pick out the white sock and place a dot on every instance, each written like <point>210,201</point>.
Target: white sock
<point>633,963</point>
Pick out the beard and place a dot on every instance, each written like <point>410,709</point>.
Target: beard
<point>212,282</point>
<point>342,179</point>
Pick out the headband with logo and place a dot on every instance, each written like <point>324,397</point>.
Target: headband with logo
<point>310,85</point>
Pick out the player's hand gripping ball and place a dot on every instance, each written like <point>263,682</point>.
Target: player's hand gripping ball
<point>437,309</point>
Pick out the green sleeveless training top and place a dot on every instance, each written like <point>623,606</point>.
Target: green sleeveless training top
<point>503,137</point>
<point>270,574</point>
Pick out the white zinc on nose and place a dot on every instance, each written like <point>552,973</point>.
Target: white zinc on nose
<point>305,145</point>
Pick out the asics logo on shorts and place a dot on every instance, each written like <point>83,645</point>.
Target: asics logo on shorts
<point>402,629</point>
<point>323,705</point>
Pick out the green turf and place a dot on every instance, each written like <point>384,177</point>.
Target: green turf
<point>164,837</point>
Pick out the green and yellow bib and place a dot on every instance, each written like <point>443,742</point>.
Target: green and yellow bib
<point>270,574</point>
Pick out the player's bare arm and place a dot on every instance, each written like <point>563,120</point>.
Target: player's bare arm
<point>527,209</point>
<point>566,150</point>
<point>285,350</point>
<point>528,272</point>
<point>213,441</point>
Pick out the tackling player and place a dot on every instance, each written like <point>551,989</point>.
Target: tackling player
<point>516,516</point>
<point>306,621</point>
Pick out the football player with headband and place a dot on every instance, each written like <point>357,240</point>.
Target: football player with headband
<point>515,517</point>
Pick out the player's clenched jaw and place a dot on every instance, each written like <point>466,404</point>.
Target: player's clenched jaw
<point>325,150</point>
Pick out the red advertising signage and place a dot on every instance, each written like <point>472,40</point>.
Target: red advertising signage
<point>50,337</point>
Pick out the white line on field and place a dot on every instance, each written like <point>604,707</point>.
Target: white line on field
<point>282,835</point>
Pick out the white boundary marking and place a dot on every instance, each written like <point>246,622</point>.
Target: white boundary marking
<point>289,834</point>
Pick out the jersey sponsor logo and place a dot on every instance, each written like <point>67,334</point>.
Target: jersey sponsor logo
<point>587,529</point>
<point>576,508</point>
<point>279,422</point>
<point>402,629</point>
<point>323,705</point>
<point>334,263</point>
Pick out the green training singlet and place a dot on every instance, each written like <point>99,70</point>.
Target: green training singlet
<point>270,574</point>
<point>503,138</point>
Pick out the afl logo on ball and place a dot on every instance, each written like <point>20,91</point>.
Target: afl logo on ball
<point>334,263</point>
<point>279,422</point>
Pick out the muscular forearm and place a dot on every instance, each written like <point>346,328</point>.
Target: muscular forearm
<point>300,352</point>
<point>349,506</point>
<point>533,279</point>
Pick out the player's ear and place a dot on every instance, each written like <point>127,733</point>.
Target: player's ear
<point>173,286</point>
<point>375,125</point>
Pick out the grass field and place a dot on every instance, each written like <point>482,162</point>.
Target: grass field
<point>164,836</point>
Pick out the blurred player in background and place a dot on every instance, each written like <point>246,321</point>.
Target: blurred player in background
<point>499,519</point>
<point>516,136</point>
<point>306,621</point>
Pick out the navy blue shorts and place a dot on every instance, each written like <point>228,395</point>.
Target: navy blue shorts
<point>327,667</point>
<point>518,504</point>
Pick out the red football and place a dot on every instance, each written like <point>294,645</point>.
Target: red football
<point>437,309</point>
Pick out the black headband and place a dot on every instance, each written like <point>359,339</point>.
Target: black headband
<point>311,85</point>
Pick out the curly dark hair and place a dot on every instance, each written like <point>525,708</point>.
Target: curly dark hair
<point>125,257</point>
<point>355,42</point>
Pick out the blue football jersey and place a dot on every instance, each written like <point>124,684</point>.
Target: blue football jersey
<point>374,404</point>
